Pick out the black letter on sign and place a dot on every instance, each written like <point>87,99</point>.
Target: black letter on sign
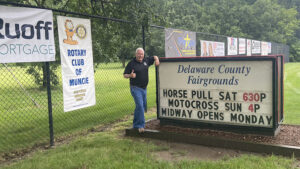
<point>47,28</point>
<point>24,31</point>
<point>7,33</point>
<point>38,28</point>
<point>1,26</point>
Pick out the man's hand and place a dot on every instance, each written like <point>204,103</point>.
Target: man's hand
<point>156,60</point>
<point>132,74</point>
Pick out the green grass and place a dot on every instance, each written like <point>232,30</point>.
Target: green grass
<point>110,149</point>
<point>23,125</point>
<point>292,93</point>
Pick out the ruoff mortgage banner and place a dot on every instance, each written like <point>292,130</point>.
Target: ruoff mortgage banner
<point>179,43</point>
<point>26,35</point>
<point>77,62</point>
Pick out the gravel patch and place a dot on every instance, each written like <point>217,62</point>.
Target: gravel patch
<point>288,134</point>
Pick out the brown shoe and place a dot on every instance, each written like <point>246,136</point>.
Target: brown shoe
<point>141,130</point>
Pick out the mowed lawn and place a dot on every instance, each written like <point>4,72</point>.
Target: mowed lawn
<point>292,93</point>
<point>108,149</point>
<point>24,110</point>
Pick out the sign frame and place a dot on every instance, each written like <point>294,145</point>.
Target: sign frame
<point>277,97</point>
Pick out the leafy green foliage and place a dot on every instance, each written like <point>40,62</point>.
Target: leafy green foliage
<point>260,19</point>
<point>37,72</point>
<point>267,20</point>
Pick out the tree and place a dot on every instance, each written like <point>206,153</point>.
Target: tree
<point>294,41</point>
<point>38,70</point>
<point>112,41</point>
<point>255,19</point>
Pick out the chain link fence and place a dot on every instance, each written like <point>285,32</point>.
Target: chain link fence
<point>24,119</point>
<point>155,43</point>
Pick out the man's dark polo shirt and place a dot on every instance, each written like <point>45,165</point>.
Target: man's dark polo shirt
<point>141,71</point>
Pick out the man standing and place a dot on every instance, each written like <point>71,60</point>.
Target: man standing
<point>137,71</point>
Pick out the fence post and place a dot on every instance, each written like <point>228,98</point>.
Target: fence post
<point>49,104</point>
<point>143,31</point>
<point>144,47</point>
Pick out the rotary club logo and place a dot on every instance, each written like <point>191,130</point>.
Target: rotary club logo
<point>80,31</point>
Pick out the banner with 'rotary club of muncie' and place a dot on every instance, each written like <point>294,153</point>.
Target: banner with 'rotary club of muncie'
<point>26,35</point>
<point>77,62</point>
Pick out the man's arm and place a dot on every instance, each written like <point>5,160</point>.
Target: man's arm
<point>131,75</point>
<point>156,60</point>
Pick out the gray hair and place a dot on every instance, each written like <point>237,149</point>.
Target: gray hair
<point>139,49</point>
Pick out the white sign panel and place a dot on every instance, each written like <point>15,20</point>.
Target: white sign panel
<point>269,47</point>
<point>210,48</point>
<point>232,46</point>
<point>76,62</point>
<point>255,47</point>
<point>26,35</point>
<point>264,48</point>
<point>242,46</point>
<point>227,92</point>
<point>249,45</point>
